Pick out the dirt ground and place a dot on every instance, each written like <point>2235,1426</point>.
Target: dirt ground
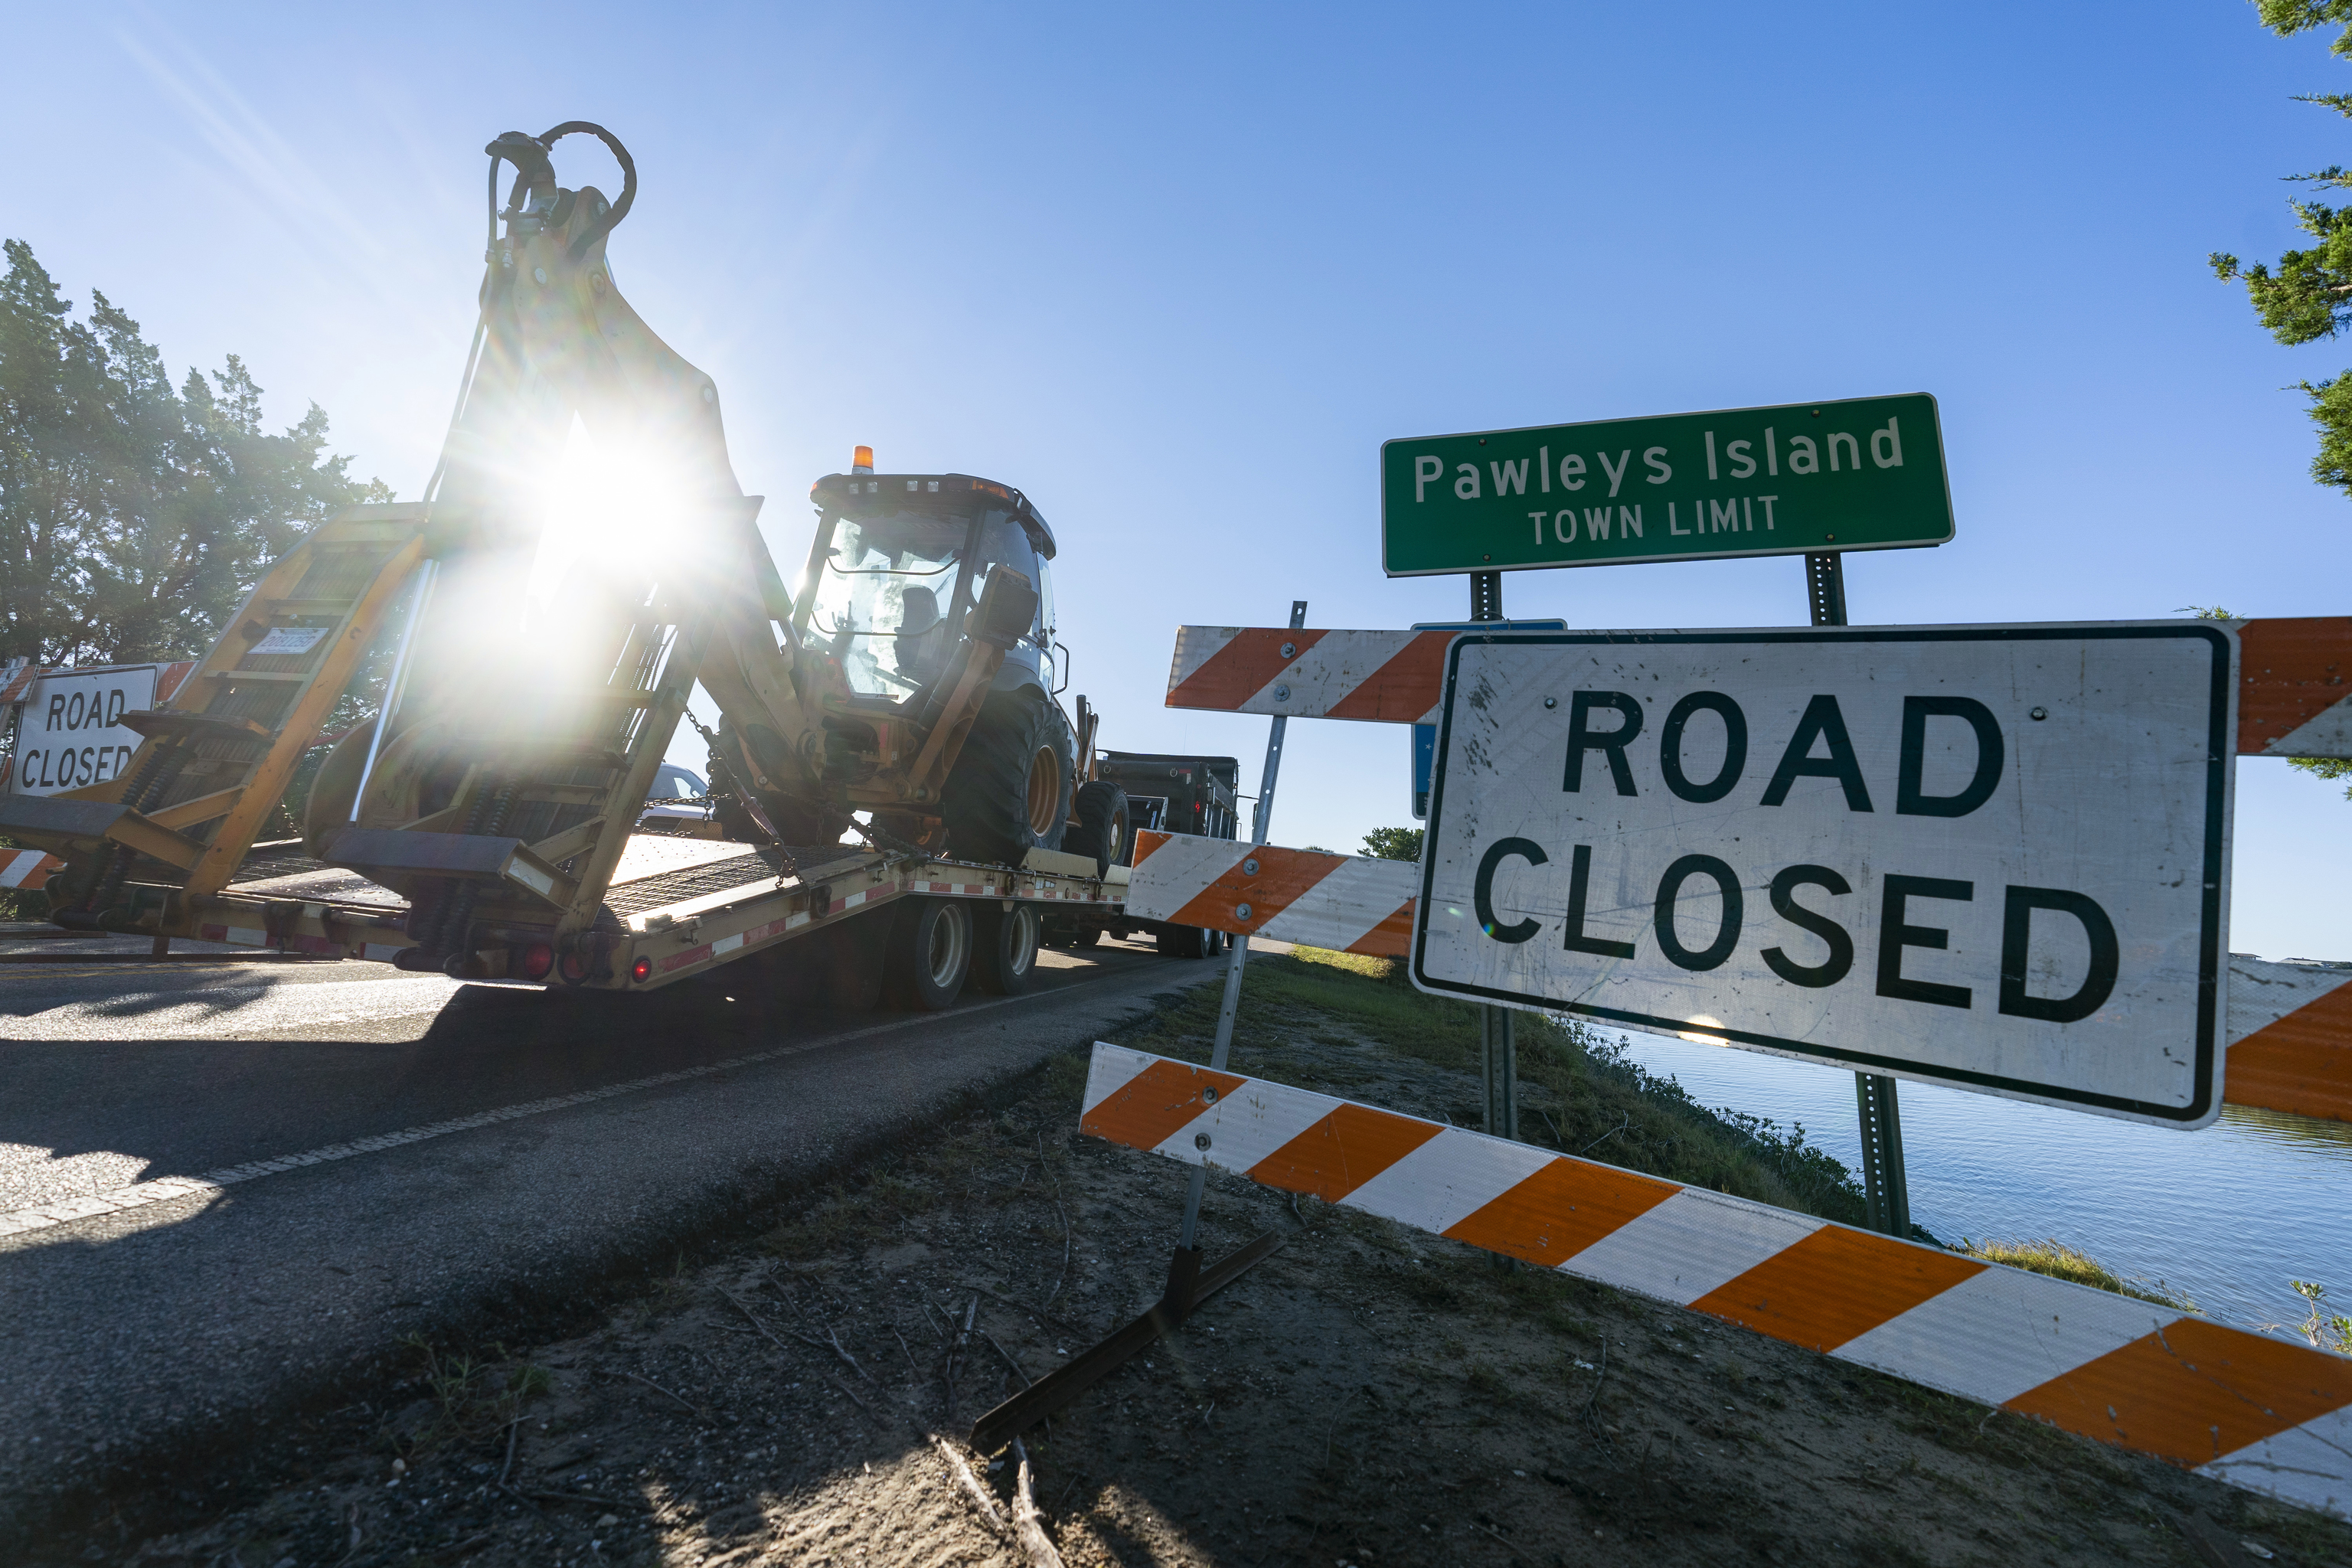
<point>1369,1395</point>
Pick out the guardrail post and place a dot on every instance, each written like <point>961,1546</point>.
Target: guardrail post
<point>1885,1198</point>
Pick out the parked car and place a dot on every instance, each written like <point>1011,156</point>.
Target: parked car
<point>674,783</point>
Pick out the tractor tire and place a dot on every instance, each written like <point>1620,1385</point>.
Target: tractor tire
<point>1004,947</point>
<point>1102,826</point>
<point>1009,792</point>
<point>930,954</point>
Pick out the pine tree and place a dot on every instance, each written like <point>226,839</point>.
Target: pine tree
<point>134,518</point>
<point>2309,296</point>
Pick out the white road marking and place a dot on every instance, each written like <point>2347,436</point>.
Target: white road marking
<point>140,1194</point>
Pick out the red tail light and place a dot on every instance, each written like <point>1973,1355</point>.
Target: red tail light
<point>641,968</point>
<point>535,961</point>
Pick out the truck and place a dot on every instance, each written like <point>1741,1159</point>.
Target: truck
<point>893,771</point>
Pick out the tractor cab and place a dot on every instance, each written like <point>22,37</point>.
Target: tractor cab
<point>899,561</point>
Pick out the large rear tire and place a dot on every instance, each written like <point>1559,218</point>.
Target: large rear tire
<point>930,953</point>
<point>1102,826</point>
<point>1009,791</point>
<point>1005,959</point>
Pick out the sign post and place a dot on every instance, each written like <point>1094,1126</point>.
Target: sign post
<point>1886,1195</point>
<point>1989,856</point>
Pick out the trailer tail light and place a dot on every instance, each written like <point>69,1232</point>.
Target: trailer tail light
<point>641,968</point>
<point>861,461</point>
<point>535,961</point>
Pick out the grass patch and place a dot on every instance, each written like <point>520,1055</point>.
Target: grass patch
<point>1579,1092</point>
<point>2060,1261</point>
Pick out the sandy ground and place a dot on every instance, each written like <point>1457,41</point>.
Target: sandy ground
<point>1368,1396</point>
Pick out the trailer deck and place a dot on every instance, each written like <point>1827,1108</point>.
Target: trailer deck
<point>674,907</point>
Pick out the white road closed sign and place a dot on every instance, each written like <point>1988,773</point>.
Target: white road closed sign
<point>1995,858</point>
<point>70,732</point>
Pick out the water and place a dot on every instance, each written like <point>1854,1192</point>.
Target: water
<point>2227,1214</point>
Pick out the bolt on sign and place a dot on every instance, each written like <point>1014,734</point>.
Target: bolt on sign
<point>1865,473</point>
<point>1994,857</point>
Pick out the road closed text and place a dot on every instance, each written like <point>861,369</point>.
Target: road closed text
<point>70,732</point>
<point>1981,857</point>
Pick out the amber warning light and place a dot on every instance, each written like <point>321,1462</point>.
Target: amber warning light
<point>861,461</point>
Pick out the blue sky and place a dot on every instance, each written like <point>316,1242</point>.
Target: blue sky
<point>1178,274</point>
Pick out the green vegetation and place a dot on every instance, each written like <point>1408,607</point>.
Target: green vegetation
<point>134,518</point>
<point>2329,1330</point>
<point>2309,296</point>
<point>1394,844</point>
<point>2060,1261</point>
<point>468,1399</point>
<point>1579,1092</point>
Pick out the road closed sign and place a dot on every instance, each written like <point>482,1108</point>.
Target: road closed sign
<point>69,733</point>
<point>1991,857</point>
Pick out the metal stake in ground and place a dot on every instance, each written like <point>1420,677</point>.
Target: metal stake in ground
<point>1237,955</point>
<point>1189,1284</point>
<point>1885,1200</point>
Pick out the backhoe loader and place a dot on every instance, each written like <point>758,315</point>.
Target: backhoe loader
<point>542,659</point>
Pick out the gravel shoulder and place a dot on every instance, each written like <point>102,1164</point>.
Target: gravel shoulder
<point>1368,1396</point>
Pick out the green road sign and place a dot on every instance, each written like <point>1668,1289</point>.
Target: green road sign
<point>1865,473</point>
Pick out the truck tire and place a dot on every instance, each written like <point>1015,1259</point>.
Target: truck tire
<point>930,953</point>
<point>1009,791</point>
<point>1102,826</point>
<point>1186,942</point>
<point>1004,952</point>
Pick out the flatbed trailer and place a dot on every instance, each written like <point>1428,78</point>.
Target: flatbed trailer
<point>676,907</point>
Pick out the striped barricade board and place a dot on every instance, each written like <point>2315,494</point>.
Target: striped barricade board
<point>2264,1413</point>
<point>1344,902</point>
<point>2289,1025</point>
<point>2294,678</point>
<point>27,868</point>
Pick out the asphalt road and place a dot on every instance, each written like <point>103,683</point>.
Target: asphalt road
<point>346,1154</point>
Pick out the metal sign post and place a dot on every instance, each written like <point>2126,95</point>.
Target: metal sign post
<point>1884,1196</point>
<point>1237,952</point>
<point>1498,1041</point>
<point>1188,1283</point>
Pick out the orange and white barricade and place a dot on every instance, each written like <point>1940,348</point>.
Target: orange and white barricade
<point>26,869</point>
<point>1344,902</point>
<point>2264,1413</point>
<point>2295,696</point>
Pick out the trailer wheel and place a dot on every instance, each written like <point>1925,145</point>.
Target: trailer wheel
<point>1186,942</point>
<point>1004,951</point>
<point>930,953</point>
